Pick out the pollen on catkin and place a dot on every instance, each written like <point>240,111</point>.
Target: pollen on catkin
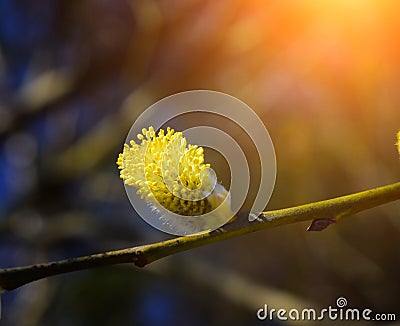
<point>167,171</point>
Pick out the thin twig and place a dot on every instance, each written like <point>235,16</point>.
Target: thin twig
<point>331,210</point>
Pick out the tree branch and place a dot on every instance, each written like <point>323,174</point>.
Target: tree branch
<point>328,210</point>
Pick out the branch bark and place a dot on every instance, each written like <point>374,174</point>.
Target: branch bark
<point>329,211</point>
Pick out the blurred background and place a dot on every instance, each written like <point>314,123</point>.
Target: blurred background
<point>324,76</point>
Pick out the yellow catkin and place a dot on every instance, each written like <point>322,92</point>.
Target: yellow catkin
<point>398,141</point>
<point>166,159</point>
